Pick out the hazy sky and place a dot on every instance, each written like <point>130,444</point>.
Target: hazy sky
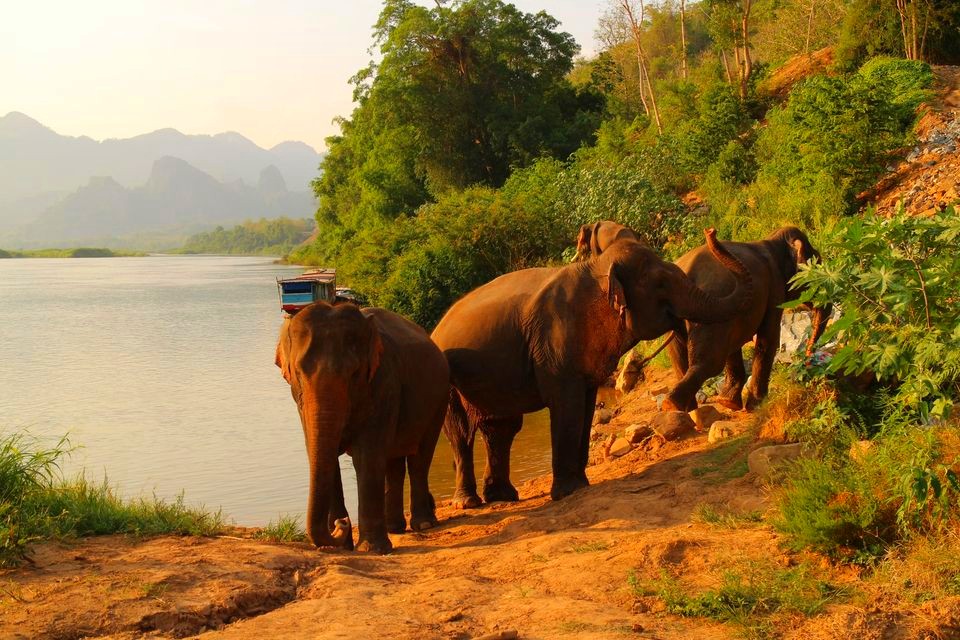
<point>273,70</point>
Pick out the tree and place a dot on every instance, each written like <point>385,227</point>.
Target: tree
<point>463,92</point>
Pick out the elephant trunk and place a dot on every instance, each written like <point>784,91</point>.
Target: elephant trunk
<point>693,303</point>
<point>820,317</point>
<point>323,426</point>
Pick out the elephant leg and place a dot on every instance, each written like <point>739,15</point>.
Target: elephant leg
<point>423,507</point>
<point>768,341</point>
<point>735,376</point>
<point>460,431</point>
<point>338,521</point>
<point>677,350</point>
<point>589,405</point>
<point>396,473</point>
<point>703,365</point>
<point>566,399</point>
<point>371,466</point>
<point>498,434</point>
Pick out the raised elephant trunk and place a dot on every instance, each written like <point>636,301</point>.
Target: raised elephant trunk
<point>820,317</point>
<point>323,426</point>
<point>694,304</point>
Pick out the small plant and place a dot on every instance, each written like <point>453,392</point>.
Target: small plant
<point>286,528</point>
<point>752,595</point>
<point>725,462</point>
<point>724,516</point>
<point>590,547</point>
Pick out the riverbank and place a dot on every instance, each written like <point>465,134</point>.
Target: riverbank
<point>666,525</point>
<point>79,252</point>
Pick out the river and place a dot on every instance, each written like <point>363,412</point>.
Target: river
<point>161,371</point>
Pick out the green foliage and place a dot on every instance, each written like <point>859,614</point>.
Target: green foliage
<point>286,528</point>
<point>462,93</point>
<point>36,503</point>
<point>894,280</point>
<point>752,596</point>
<point>79,252</point>
<point>829,142</point>
<point>264,237</point>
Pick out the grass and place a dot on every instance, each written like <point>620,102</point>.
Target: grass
<point>286,528</point>
<point>754,595</point>
<point>723,516</point>
<point>724,462</point>
<point>37,503</point>
<point>79,252</point>
<point>590,547</point>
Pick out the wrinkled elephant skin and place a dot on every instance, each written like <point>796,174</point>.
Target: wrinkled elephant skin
<point>372,384</point>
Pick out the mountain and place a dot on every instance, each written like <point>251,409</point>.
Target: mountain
<point>176,199</point>
<point>51,185</point>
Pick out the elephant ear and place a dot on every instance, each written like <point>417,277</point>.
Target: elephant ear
<point>615,295</point>
<point>281,360</point>
<point>376,349</point>
<point>583,242</point>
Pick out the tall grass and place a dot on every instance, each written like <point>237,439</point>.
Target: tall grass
<point>38,503</point>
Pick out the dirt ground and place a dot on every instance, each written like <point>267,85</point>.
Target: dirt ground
<point>543,569</point>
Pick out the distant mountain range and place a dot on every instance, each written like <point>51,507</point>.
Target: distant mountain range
<point>67,191</point>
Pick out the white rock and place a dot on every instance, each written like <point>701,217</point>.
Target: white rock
<point>705,415</point>
<point>621,446</point>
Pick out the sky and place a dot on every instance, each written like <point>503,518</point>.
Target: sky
<point>272,70</point>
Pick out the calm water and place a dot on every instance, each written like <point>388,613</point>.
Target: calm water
<point>162,369</point>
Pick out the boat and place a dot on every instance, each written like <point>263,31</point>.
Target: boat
<point>309,287</point>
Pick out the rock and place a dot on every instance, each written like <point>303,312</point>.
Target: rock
<point>630,374</point>
<point>660,398</point>
<point>701,397</point>
<point>860,449</point>
<point>602,416</point>
<point>705,415</point>
<point>720,430</point>
<point>620,447</point>
<point>510,634</point>
<point>766,461</point>
<point>671,425</point>
<point>637,433</point>
<point>658,389</point>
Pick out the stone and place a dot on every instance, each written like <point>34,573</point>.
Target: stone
<point>620,447</point>
<point>671,425</point>
<point>630,373</point>
<point>602,416</point>
<point>660,398</point>
<point>720,430</point>
<point>659,389</point>
<point>637,433</point>
<point>860,449</point>
<point>765,462</point>
<point>705,415</point>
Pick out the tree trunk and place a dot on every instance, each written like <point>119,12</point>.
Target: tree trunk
<point>636,28</point>
<point>747,62</point>
<point>683,39</point>
<point>806,44</point>
<point>726,66</point>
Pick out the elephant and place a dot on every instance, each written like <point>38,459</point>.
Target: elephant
<point>701,351</point>
<point>549,337</point>
<point>594,238</point>
<point>370,383</point>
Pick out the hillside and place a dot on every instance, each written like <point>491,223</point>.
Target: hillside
<point>41,171</point>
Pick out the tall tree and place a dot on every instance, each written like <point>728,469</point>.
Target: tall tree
<point>463,91</point>
<point>633,11</point>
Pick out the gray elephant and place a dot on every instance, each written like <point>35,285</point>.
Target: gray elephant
<point>701,350</point>
<point>369,383</point>
<point>549,337</point>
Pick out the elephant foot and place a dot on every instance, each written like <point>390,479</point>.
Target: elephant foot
<point>464,500</point>
<point>752,402</point>
<point>423,524</point>
<point>381,546</point>
<point>562,487</point>
<point>398,526</point>
<point>675,404</point>
<point>729,403</point>
<point>500,492</point>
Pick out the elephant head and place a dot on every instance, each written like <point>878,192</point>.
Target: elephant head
<point>329,355</point>
<point>798,251</point>
<point>594,238</point>
<point>652,296</point>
